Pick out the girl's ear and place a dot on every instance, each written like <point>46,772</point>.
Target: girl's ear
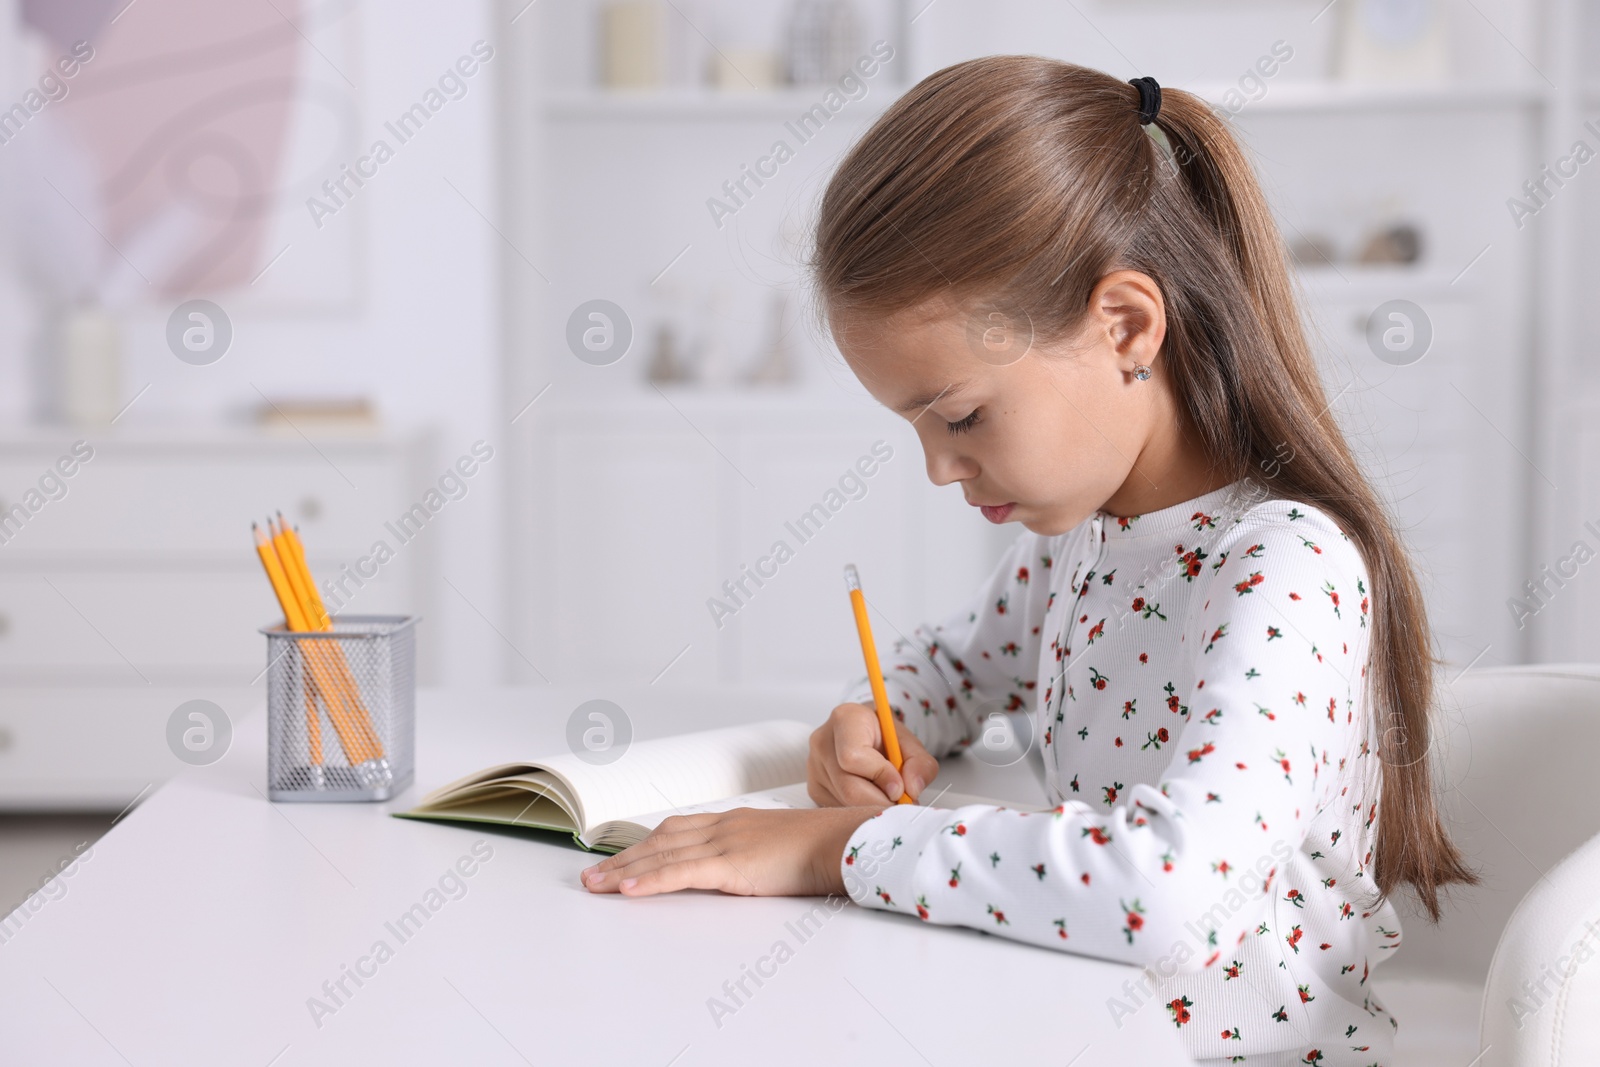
<point>1127,311</point>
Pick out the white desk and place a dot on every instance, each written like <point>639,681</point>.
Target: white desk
<point>197,929</point>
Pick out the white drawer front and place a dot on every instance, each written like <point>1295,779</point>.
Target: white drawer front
<point>101,747</point>
<point>129,627</point>
<point>198,502</point>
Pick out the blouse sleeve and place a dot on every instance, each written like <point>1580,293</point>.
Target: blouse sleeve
<point>944,679</point>
<point>1277,654</point>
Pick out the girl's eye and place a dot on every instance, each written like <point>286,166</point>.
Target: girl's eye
<point>964,425</point>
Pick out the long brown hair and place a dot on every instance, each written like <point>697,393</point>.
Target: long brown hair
<point>1021,181</point>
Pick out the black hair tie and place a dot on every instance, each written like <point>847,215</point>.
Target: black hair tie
<point>1149,99</point>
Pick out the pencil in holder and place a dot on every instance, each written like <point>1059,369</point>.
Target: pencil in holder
<point>341,709</point>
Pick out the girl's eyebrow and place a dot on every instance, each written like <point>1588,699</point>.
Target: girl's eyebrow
<point>927,401</point>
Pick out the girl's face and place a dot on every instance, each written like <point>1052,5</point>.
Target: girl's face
<point>1041,435</point>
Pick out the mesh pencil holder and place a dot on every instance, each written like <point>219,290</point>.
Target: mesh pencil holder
<point>341,709</point>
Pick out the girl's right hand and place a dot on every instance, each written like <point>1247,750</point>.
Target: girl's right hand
<point>847,766</point>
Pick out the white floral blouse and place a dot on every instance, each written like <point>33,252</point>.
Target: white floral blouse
<point>1195,679</point>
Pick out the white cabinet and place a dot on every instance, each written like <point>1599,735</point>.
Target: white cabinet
<point>633,526</point>
<point>132,585</point>
<point>709,531</point>
<point>1435,439</point>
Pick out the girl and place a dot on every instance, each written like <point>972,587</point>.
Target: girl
<point>1073,288</point>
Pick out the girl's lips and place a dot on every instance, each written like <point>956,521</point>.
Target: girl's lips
<point>994,513</point>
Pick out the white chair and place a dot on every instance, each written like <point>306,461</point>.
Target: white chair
<point>1542,1004</point>
<point>1517,747</point>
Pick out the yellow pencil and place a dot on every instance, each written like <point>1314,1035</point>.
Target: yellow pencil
<point>318,619</point>
<point>313,727</point>
<point>313,720</point>
<point>294,617</point>
<point>869,653</point>
<point>341,696</point>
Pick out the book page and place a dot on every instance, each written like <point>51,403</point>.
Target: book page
<point>670,773</point>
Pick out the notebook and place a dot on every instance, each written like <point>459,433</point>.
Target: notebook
<point>608,807</point>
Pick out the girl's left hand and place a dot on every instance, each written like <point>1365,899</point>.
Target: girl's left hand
<point>748,851</point>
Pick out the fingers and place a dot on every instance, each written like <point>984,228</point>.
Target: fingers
<point>846,768</point>
<point>831,787</point>
<point>918,768</point>
<point>850,729</point>
<point>678,854</point>
<point>867,764</point>
<point>683,865</point>
<point>705,873</point>
<point>856,739</point>
<point>852,790</point>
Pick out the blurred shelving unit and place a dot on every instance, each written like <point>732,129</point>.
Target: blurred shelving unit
<point>1456,440</point>
<point>694,484</point>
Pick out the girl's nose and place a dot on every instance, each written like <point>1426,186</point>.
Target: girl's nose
<point>946,465</point>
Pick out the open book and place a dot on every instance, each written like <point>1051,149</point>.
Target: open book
<point>608,807</point>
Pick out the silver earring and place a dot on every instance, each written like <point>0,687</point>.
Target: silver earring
<point>1141,372</point>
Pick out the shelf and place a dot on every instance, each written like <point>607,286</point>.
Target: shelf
<point>197,435</point>
<point>636,398</point>
<point>1326,95</point>
<point>1357,281</point>
<point>709,104</point>
<point>1292,97</point>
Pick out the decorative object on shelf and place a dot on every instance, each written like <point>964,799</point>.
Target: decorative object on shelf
<point>1389,244</point>
<point>88,346</point>
<point>1312,250</point>
<point>633,44</point>
<point>735,68</point>
<point>775,365</point>
<point>337,415</point>
<point>1399,243</point>
<point>672,311</point>
<point>824,37</point>
<point>667,364</point>
<point>650,44</point>
<point>1392,41</point>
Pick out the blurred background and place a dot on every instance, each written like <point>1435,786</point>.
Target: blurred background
<point>503,305</point>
